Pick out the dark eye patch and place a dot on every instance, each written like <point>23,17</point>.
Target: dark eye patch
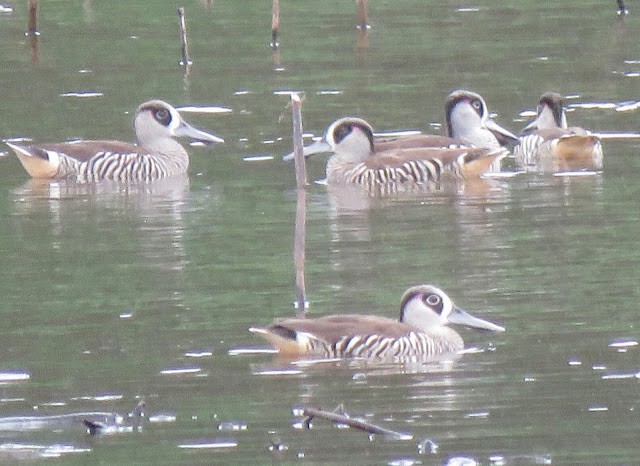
<point>341,132</point>
<point>434,301</point>
<point>162,116</point>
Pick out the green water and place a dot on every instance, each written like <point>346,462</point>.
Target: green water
<point>103,288</point>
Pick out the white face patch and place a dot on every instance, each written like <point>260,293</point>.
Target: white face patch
<point>447,307</point>
<point>355,146</point>
<point>464,119</point>
<point>329,135</point>
<point>176,121</point>
<point>420,315</point>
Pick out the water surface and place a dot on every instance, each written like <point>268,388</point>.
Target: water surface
<point>113,294</point>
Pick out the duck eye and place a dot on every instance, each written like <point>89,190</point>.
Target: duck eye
<point>477,104</point>
<point>163,116</point>
<point>433,300</point>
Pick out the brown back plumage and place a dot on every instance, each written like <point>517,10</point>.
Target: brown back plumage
<point>417,141</point>
<point>84,150</point>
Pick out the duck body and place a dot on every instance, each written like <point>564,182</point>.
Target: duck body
<point>360,337</point>
<point>157,155</point>
<point>414,166</point>
<point>99,160</point>
<point>548,144</point>
<point>356,160</point>
<point>421,331</point>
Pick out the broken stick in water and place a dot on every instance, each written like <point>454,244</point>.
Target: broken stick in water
<point>32,22</point>
<point>298,144</point>
<point>299,256</point>
<point>32,30</point>
<point>275,23</point>
<point>363,14</point>
<point>339,418</point>
<point>183,38</point>
<point>622,8</point>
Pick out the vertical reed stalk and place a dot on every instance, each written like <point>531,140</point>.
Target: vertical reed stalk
<point>301,207</point>
<point>298,146</point>
<point>32,30</point>
<point>299,256</point>
<point>275,23</point>
<point>32,22</point>
<point>183,38</point>
<point>363,14</point>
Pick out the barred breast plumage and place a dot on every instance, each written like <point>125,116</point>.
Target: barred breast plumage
<point>157,154</point>
<point>422,330</point>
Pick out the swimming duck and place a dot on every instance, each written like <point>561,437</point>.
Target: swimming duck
<point>157,154</point>
<point>548,144</point>
<point>468,125</point>
<point>357,161</point>
<point>421,331</point>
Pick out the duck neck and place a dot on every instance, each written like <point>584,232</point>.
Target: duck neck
<point>551,118</point>
<point>464,123</point>
<point>170,152</point>
<point>349,153</point>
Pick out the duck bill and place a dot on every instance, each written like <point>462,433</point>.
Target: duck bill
<point>186,130</point>
<point>531,126</point>
<point>504,135</point>
<point>458,316</point>
<point>318,147</point>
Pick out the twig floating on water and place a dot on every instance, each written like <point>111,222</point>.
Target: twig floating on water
<point>183,38</point>
<point>338,418</point>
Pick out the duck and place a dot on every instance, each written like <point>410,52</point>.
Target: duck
<point>421,331</point>
<point>548,144</point>
<point>468,124</point>
<point>157,154</point>
<point>356,160</point>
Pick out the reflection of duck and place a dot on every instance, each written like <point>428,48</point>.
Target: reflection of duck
<point>549,145</point>
<point>356,161</point>
<point>158,155</point>
<point>425,312</point>
<point>154,209</point>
